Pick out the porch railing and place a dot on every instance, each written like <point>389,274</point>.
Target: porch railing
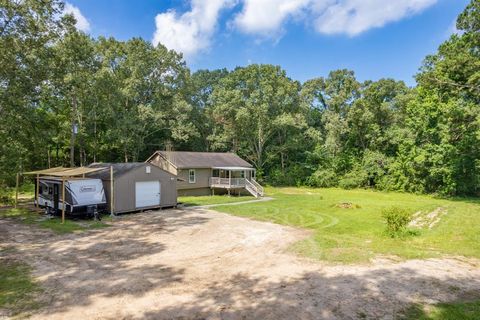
<point>227,182</point>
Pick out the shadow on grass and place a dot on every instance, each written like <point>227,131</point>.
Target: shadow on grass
<point>444,311</point>
<point>18,290</point>
<point>31,217</point>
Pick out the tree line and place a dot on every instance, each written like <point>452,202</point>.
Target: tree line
<point>69,99</point>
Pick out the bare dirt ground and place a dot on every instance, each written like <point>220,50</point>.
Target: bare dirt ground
<point>199,264</point>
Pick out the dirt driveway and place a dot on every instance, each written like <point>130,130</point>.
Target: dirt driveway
<point>199,264</point>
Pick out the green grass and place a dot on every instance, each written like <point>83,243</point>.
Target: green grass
<point>357,234</point>
<point>33,218</point>
<point>445,311</point>
<point>18,291</point>
<point>207,200</point>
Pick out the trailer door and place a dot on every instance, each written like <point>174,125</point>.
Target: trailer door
<point>147,194</point>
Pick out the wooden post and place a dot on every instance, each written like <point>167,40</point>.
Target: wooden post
<point>112,198</point>
<point>37,190</point>
<point>63,200</point>
<point>16,189</point>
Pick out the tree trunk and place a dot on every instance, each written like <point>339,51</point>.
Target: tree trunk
<point>72,137</point>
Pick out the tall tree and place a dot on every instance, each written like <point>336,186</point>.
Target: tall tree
<point>251,105</point>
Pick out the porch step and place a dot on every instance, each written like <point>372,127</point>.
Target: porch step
<point>254,188</point>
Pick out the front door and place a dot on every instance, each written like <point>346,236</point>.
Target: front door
<point>147,194</point>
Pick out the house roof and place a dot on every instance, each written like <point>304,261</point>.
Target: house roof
<point>118,168</point>
<point>188,159</point>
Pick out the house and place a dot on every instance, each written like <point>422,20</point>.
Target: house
<point>205,173</point>
<point>137,186</point>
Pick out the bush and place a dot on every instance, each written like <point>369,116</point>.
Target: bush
<point>354,179</point>
<point>6,198</point>
<point>323,178</point>
<point>397,220</point>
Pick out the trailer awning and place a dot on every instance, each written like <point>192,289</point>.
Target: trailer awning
<point>65,172</point>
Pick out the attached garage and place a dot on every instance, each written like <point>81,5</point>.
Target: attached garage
<point>137,186</point>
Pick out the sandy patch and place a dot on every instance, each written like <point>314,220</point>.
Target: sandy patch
<point>427,219</point>
<point>199,264</point>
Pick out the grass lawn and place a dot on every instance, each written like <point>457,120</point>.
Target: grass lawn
<point>206,200</point>
<point>29,217</point>
<point>349,235</point>
<point>445,311</point>
<point>18,291</point>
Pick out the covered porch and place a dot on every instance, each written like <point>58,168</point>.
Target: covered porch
<point>231,177</point>
<point>235,178</point>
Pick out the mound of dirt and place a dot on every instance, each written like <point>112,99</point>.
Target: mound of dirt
<point>347,205</point>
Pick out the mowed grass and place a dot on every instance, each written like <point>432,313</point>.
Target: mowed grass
<point>350,235</point>
<point>55,224</point>
<point>208,200</point>
<point>445,311</point>
<point>18,291</point>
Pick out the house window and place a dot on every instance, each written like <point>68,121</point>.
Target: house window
<point>191,176</point>
<point>216,173</point>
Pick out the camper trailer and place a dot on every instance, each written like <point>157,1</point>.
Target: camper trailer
<point>82,196</point>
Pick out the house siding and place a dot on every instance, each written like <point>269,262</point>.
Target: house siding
<point>160,162</point>
<point>202,179</point>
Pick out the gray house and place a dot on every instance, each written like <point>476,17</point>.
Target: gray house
<point>205,173</point>
<point>137,186</point>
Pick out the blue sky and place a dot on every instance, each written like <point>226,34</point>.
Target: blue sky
<point>308,38</point>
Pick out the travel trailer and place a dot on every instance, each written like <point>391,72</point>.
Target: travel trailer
<point>82,195</point>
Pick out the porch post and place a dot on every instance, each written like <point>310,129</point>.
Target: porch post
<point>229,181</point>
<point>63,200</point>
<point>37,189</point>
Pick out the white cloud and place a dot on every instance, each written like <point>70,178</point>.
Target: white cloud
<point>353,17</point>
<point>190,32</point>
<point>82,22</point>
<point>266,16</point>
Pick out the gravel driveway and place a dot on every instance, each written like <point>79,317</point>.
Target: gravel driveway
<point>200,264</point>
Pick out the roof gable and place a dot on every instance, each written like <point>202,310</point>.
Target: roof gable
<point>188,159</point>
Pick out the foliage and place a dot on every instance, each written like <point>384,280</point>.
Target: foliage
<point>323,178</point>
<point>6,197</point>
<point>397,220</point>
<point>127,99</point>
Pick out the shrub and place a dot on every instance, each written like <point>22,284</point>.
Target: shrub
<point>6,196</point>
<point>323,178</point>
<point>354,179</point>
<point>397,220</point>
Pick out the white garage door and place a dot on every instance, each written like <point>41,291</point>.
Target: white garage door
<point>147,194</point>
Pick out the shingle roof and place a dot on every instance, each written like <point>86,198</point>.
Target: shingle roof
<point>118,168</point>
<point>187,159</point>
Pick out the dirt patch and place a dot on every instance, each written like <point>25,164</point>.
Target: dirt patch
<point>428,219</point>
<point>347,205</point>
<point>199,264</point>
